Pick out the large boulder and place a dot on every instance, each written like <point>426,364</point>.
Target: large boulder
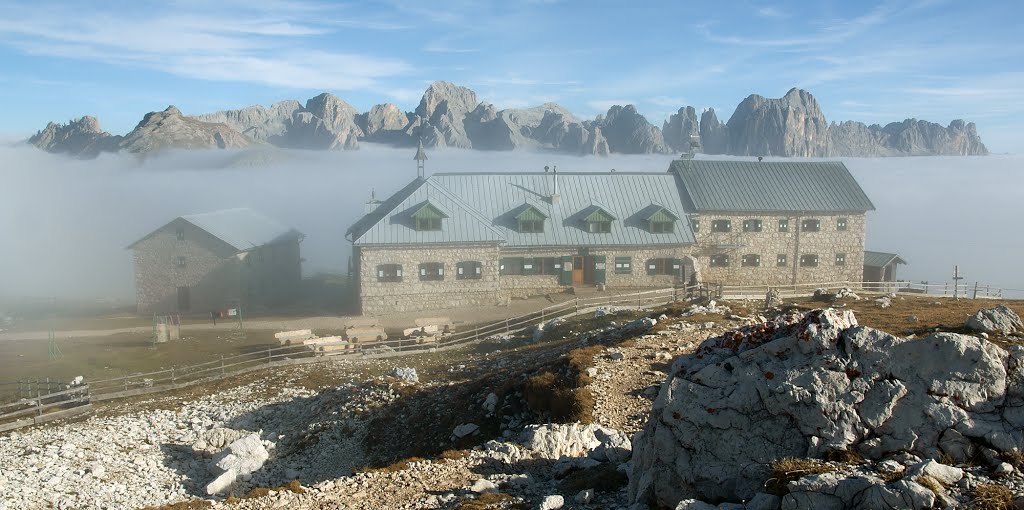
<point>811,384</point>
<point>240,459</point>
<point>553,441</point>
<point>1001,320</point>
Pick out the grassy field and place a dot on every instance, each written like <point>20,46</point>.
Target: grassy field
<point>112,356</point>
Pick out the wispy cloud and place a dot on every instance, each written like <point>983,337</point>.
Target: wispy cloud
<point>263,43</point>
<point>771,12</point>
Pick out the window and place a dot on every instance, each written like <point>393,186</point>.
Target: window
<point>428,217</point>
<point>808,261</point>
<point>663,266</point>
<point>696,225</point>
<point>662,227</point>
<point>841,224</point>
<point>431,271</point>
<point>780,260</point>
<point>428,224</point>
<point>513,265</point>
<point>389,273</point>
<point>180,234</point>
<point>180,262</point>
<point>840,259</point>
<point>751,261</point>
<point>751,225</point>
<point>623,265</point>
<point>784,225</point>
<point>599,227</point>
<point>547,265</point>
<point>810,225</point>
<point>531,226</point>
<point>468,271</point>
<point>721,260</point>
<point>721,226</point>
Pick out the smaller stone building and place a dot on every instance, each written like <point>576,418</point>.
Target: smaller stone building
<point>217,260</point>
<point>881,266</point>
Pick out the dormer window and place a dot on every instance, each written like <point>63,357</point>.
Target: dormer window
<point>530,220</point>
<point>598,221</point>
<point>427,218</point>
<point>662,221</point>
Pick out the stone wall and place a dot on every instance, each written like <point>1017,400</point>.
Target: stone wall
<point>216,275</point>
<point>413,294</point>
<point>209,274</point>
<point>770,243</point>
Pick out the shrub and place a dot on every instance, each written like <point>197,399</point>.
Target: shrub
<point>991,496</point>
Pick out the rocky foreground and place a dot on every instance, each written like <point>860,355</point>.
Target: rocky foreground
<point>449,115</point>
<point>869,420</point>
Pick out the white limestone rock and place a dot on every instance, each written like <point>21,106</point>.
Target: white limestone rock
<point>551,503</point>
<point>464,430</point>
<point>1000,319</point>
<point>483,486</point>
<point>407,374</point>
<point>812,383</point>
<point>245,456</point>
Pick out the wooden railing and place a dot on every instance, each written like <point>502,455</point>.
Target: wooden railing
<point>223,366</point>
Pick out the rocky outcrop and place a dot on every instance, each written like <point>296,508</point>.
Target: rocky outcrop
<point>714,134</point>
<point>628,132</point>
<point>256,122</point>
<point>792,125</point>
<point>680,129</point>
<point>999,320</point>
<point>383,123</point>
<point>814,385</point>
<point>908,138</point>
<point>170,129</point>
<point>80,137</point>
<point>449,115</point>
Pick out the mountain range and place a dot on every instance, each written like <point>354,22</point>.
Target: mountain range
<point>449,115</point>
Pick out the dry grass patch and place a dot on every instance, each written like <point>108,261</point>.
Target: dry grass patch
<point>259,492</point>
<point>844,456</point>
<point>1015,458</point>
<point>194,504</point>
<point>991,496</point>
<point>789,469</point>
<point>490,501</point>
<point>400,465</point>
<point>931,484</point>
<point>453,454</point>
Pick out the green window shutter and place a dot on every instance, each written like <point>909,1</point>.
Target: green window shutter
<point>565,276</point>
<point>600,268</point>
<point>529,265</point>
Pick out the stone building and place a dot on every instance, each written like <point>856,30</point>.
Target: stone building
<point>217,260</point>
<point>460,239</point>
<point>880,266</point>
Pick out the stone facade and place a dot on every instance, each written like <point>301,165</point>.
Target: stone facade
<point>214,273</point>
<point>414,294</point>
<point>768,244</point>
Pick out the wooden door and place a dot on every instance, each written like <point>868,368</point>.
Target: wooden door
<point>577,270</point>
<point>184,301</point>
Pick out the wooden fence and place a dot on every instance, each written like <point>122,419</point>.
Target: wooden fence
<point>45,405</point>
<point>181,377</point>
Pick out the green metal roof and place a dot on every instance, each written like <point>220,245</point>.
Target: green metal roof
<point>598,214</point>
<point>770,186</point>
<point>530,213</point>
<point>426,210</point>
<point>662,215</point>
<point>483,207</point>
<point>881,259</point>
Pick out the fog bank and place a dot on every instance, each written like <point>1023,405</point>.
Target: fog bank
<point>66,222</point>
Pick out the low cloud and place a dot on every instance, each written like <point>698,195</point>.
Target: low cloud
<point>67,222</point>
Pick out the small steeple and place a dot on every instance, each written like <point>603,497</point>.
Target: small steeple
<point>420,157</point>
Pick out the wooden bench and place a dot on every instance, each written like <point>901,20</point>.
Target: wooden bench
<point>365,334</point>
<point>328,344</point>
<point>444,325</point>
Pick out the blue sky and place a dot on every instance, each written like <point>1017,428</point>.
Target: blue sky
<point>868,61</point>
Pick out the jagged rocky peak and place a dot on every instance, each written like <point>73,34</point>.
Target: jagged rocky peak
<point>449,96</point>
<point>628,132</point>
<point>680,129</point>
<point>382,117</point>
<point>80,137</point>
<point>256,122</point>
<point>714,134</point>
<point>792,125</point>
<point>170,129</point>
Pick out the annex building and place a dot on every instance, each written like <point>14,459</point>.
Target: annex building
<point>202,263</point>
<point>460,239</point>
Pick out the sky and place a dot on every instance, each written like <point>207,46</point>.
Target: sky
<point>871,61</point>
<point>67,222</point>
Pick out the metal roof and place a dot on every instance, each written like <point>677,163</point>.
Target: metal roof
<point>483,207</point>
<point>881,259</point>
<point>242,229</point>
<point>770,186</point>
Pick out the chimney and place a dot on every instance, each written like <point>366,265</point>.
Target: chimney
<point>372,204</point>
<point>554,193</point>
